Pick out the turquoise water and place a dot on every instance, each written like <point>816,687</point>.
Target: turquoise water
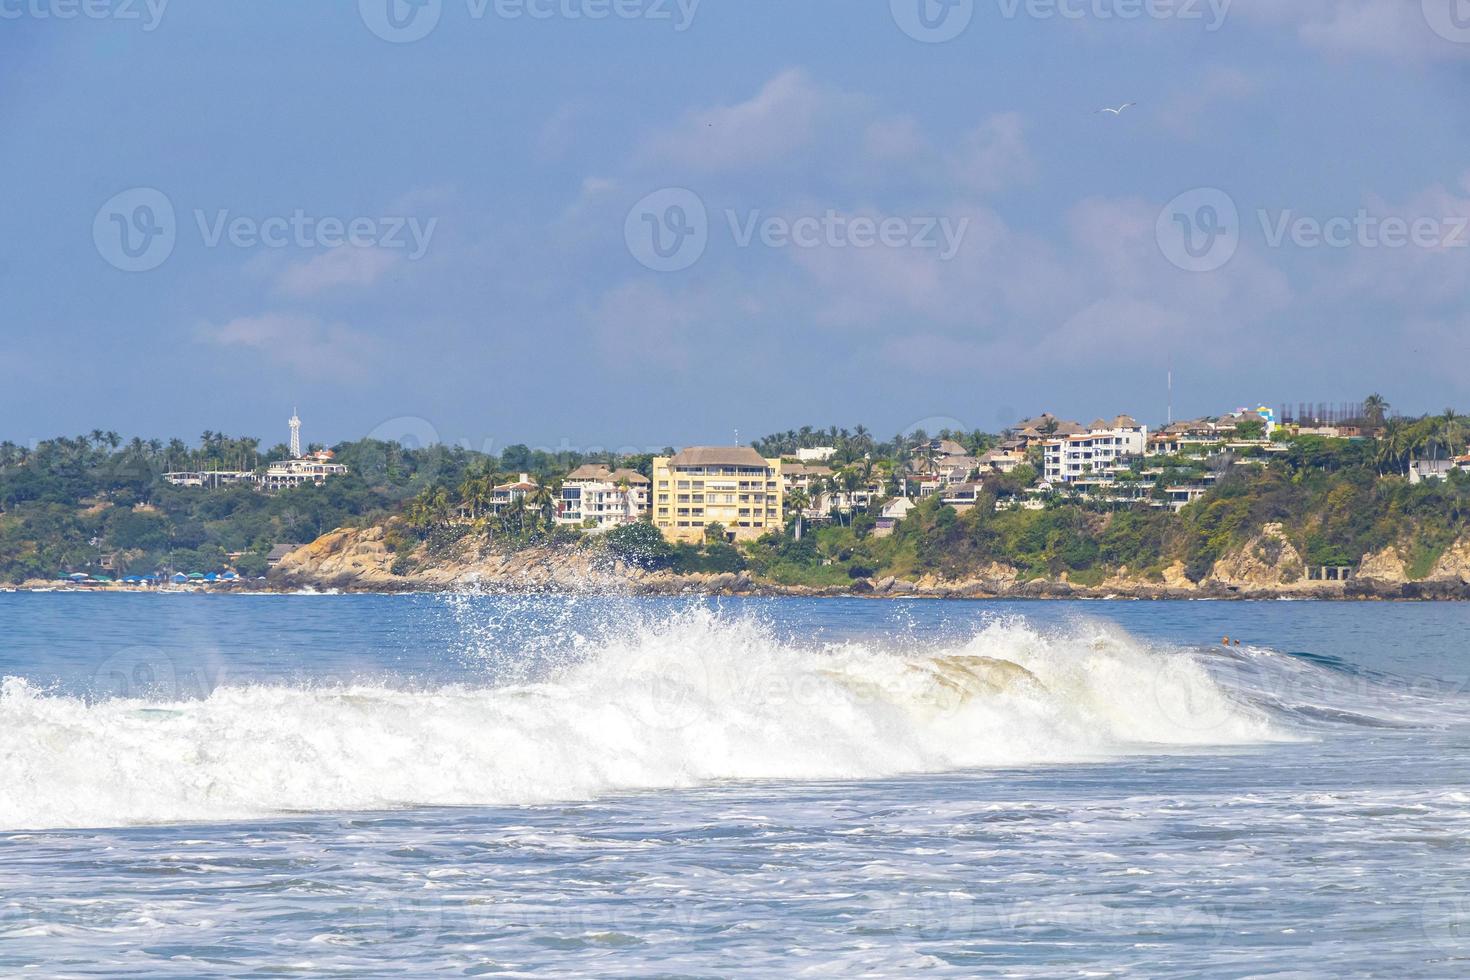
<point>319,785</point>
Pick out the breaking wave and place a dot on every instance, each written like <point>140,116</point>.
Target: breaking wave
<point>691,698</point>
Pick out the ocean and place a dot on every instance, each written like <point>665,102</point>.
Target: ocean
<point>261,785</point>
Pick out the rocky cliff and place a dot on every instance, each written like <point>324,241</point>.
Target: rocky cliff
<point>1267,566</point>
<point>360,560</point>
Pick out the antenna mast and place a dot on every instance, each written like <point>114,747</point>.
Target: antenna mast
<point>1171,387</point>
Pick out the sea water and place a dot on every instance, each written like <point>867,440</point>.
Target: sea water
<point>264,785</point>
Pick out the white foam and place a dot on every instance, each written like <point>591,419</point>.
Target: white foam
<point>697,698</point>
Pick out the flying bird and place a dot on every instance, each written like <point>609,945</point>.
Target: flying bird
<point>1118,111</point>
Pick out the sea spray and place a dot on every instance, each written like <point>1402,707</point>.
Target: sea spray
<point>676,698</point>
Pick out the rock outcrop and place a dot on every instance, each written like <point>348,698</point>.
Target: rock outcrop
<point>1268,562</point>
<point>1268,566</point>
<point>1453,567</point>
<point>1386,566</point>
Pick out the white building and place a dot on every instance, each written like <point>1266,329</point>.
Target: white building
<point>817,454</point>
<point>1001,461</point>
<point>1093,456</point>
<point>209,478</point>
<point>1181,497</point>
<point>503,496</point>
<point>898,508</point>
<point>801,476</point>
<point>316,469</point>
<point>607,498</point>
<point>1431,469</point>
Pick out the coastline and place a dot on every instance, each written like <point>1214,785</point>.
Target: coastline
<point>358,560</point>
<point>733,585</point>
<point>361,561</point>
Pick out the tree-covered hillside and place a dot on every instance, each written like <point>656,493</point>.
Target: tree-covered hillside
<point>98,505</point>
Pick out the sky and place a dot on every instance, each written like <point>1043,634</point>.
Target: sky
<point>629,224</point>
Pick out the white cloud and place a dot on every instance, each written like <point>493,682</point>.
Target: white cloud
<point>1413,277</point>
<point>894,138</point>
<point>780,120</point>
<point>300,342</point>
<point>1197,103</point>
<point>338,267</point>
<point>1103,296</point>
<point>994,155</point>
<point>794,124</point>
<point>1398,29</point>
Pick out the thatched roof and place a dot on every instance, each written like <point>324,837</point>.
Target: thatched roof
<point>719,456</point>
<point>593,473</point>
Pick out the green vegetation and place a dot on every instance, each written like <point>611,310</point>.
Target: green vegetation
<point>94,504</point>
<point>97,505</point>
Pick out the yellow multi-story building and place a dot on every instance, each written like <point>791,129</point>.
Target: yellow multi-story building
<point>735,487</point>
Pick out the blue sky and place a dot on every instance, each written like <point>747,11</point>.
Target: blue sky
<point>499,170</point>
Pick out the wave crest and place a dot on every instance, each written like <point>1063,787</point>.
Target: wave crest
<point>694,698</point>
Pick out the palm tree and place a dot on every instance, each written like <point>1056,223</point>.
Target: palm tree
<point>542,503</point>
<point>1452,429</point>
<point>1395,446</point>
<point>469,494</point>
<point>797,502</point>
<point>848,481</point>
<point>513,518</point>
<point>1375,410</point>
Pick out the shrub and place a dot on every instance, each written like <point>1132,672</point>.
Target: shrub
<point>640,545</point>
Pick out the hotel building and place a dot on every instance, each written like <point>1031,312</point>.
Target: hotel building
<point>604,498</point>
<point>1094,456</point>
<point>316,469</point>
<point>732,486</point>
